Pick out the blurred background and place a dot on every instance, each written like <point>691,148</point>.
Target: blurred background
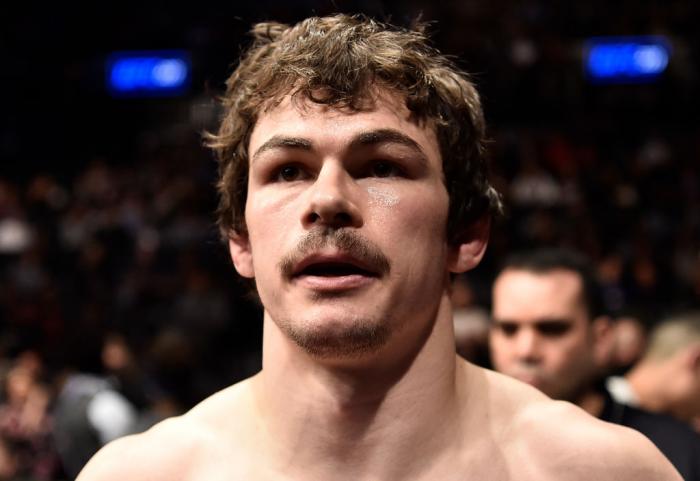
<point>114,285</point>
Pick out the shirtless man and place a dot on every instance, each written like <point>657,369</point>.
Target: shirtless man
<point>353,185</point>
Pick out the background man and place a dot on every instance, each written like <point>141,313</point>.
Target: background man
<point>353,186</point>
<point>549,331</point>
<point>667,378</point>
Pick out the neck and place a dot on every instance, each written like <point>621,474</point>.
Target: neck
<point>315,409</point>
<point>592,402</point>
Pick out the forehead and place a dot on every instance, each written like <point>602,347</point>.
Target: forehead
<point>329,127</point>
<point>525,295</point>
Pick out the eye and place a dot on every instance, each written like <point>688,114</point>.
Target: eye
<point>507,329</point>
<point>383,168</point>
<point>289,173</point>
<point>554,329</point>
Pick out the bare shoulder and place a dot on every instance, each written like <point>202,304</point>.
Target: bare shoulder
<point>568,441</point>
<point>557,440</point>
<point>153,455</point>
<point>172,450</point>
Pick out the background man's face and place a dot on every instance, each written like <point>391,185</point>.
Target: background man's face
<point>346,217</point>
<point>541,333</point>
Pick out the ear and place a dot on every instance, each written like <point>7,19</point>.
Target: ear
<point>470,246</point>
<point>241,254</point>
<point>691,357</point>
<point>603,340</point>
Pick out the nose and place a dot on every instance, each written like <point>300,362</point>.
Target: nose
<point>528,346</point>
<point>332,201</point>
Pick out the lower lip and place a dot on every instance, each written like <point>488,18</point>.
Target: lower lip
<point>334,283</point>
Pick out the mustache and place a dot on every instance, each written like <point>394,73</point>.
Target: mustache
<point>348,242</point>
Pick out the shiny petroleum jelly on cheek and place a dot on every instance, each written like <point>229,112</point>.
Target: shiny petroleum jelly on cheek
<point>382,197</point>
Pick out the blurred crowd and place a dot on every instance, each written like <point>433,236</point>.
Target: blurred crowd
<point>116,283</point>
<point>119,305</point>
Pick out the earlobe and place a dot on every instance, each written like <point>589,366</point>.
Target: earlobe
<point>241,254</point>
<point>469,249</point>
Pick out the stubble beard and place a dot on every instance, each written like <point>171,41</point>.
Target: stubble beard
<point>351,336</point>
<point>354,338</point>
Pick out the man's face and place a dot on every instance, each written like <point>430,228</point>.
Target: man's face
<point>541,333</point>
<point>346,216</point>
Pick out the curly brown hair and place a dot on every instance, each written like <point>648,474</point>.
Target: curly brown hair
<point>337,61</point>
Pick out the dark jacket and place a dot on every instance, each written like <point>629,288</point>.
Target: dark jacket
<point>679,443</point>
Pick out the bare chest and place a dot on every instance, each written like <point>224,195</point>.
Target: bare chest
<point>488,465</point>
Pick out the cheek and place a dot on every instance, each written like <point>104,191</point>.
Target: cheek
<point>415,216</point>
<point>386,197</point>
<point>572,354</point>
<point>269,218</point>
<point>501,352</point>
<point>688,385</point>
<point>268,204</point>
<point>269,223</point>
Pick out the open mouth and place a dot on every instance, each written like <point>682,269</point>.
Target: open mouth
<point>334,274</point>
<point>334,269</point>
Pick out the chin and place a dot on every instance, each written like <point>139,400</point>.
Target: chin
<point>337,338</point>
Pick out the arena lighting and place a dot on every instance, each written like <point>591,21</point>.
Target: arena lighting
<point>148,74</point>
<point>626,59</point>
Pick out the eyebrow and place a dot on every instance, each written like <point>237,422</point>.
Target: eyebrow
<point>543,321</point>
<point>363,139</point>
<point>386,136</point>
<point>282,142</point>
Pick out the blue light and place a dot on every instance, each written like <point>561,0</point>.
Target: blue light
<point>146,74</point>
<point>626,59</point>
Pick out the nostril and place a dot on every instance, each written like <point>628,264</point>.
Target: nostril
<point>339,218</point>
<point>343,218</point>
<point>331,208</point>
